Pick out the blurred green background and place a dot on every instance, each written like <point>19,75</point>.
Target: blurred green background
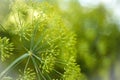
<point>97,29</point>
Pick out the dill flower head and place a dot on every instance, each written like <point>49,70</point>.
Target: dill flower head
<point>47,42</point>
<point>6,48</point>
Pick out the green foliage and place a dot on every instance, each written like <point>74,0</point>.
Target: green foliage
<point>97,37</point>
<point>49,43</point>
<point>27,75</point>
<point>7,78</point>
<point>70,69</point>
<point>43,43</point>
<point>6,48</point>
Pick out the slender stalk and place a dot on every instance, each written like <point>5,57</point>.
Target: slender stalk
<point>58,72</point>
<point>4,29</point>
<point>39,48</point>
<point>36,68</point>
<point>13,63</point>
<point>26,64</point>
<point>34,32</point>
<point>33,36</point>
<point>39,69</point>
<point>37,58</point>
<point>39,39</point>
<point>48,76</point>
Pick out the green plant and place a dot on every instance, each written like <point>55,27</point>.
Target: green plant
<point>97,39</point>
<point>39,41</point>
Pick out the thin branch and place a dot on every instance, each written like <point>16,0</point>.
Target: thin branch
<point>13,63</point>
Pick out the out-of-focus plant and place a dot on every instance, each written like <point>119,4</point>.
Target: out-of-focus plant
<point>35,40</point>
<point>97,37</point>
<point>3,9</point>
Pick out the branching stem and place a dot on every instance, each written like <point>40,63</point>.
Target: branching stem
<point>13,63</point>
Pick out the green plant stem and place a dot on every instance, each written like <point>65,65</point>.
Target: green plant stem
<point>39,69</point>
<point>3,27</point>
<point>13,63</point>
<point>36,68</point>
